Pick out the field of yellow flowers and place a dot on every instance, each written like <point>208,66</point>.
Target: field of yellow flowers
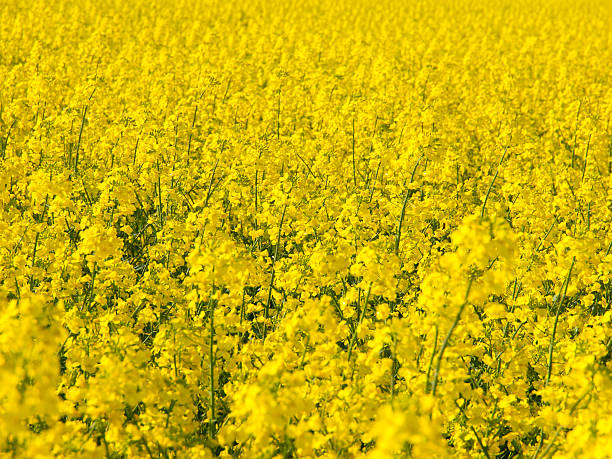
<point>269,229</point>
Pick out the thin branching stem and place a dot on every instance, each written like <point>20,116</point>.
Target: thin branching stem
<point>360,320</point>
<point>211,357</point>
<point>445,343</point>
<point>484,449</point>
<point>76,157</point>
<point>404,204</point>
<point>271,286</point>
<point>484,203</point>
<point>558,431</point>
<point>354,165</point>
<point>559,304</point>
<point>433,354</point>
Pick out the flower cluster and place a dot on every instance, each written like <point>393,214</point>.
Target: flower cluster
<point>305,229</point>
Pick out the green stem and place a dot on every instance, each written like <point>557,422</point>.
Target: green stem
<point>406,198</point>
<point>552,441</point>
<point>484,449</point>
<point>76,158</point>
<point>361,316</point>
<point>269,300</point>
<point>195,114</point>
<point>559,303</point>
<point>484,204</point>
<point>354,166</point>
<point>433,354</point>
<point>434,384</point>
<point>211,356</point>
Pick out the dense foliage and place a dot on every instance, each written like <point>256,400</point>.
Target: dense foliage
<point>302,229</point>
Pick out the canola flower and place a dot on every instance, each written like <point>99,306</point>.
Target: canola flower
<point>305,229</point>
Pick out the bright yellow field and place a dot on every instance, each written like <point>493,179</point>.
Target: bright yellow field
<point>306,229</point>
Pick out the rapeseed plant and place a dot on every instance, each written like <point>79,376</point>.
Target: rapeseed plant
<point>319,229</point>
